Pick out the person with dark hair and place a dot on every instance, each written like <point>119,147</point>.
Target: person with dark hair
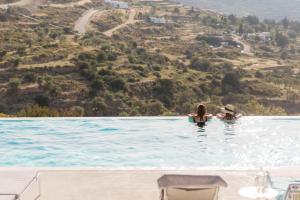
<point>201,117</point>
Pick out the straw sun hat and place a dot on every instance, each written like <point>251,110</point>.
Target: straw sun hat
<point>230,109</point>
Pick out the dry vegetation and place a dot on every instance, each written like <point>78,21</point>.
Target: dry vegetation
<point>47,69</point>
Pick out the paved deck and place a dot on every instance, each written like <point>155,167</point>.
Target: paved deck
<point>91,184</point>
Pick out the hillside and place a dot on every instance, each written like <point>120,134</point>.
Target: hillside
<point>85,57</point>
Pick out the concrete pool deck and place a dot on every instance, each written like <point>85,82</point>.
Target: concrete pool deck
<point>98,184</point>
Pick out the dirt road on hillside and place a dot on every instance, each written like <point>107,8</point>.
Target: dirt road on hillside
<point>71,4</point>
<point>82,23</point>
<point>130,20</point>
<point>246,46</point>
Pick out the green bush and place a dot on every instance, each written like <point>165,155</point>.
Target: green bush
<point>38,111</point>
<point>13,86</point>
<point>230,83</point>
<point>30,77</point>
<point>42,100</point>
<point>97,84</point>
<point>201,64</point>
<point>210,40</point>
<point>118,84</point>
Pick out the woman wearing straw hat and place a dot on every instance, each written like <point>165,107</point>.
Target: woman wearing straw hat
<point>228,113</point>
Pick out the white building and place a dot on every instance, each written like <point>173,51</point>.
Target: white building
<point>117,4</point>
<point>158,20</point>
<point>264,36</point>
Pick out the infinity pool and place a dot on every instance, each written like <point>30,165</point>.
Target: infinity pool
<point>160,142</point>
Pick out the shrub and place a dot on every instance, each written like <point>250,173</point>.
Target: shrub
<point>252,19</point>
<point>211,40</point>
<point>30,77</point>
<point>38,111</point>
<point>13,86</point>
<point>230,83</point>
<point>164,90</point>
<point>281,40</point>
<point>42,100</point>
<point>75,111</point>
<point>259,74</point>
<point>155,108</point>
<point>2,54</point>
<point>97,84</point>
<point>201,64</point>
<point>101,56</point>
<point>118,84</point>
<point>99,106</point>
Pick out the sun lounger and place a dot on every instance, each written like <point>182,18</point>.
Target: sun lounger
<point>7,197</point>
<point>189,187</point>
<point>293,192</point>
<point>19,185</point>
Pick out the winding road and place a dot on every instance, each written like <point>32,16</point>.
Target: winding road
<point>82,23</point>
<point>246,47</point>
<point>130,20</point>
<point>71,4</point>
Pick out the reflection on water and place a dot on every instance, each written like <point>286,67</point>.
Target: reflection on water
<point>229,130</point>
<point>167,142</point>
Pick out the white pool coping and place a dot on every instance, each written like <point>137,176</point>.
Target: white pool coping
<point>136,118</point>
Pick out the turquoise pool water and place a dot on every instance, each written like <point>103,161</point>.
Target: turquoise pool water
<point>167,142</point>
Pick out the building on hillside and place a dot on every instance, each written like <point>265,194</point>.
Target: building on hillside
<point>263,36</point>
<point>117,4</point>
<point>158,20</point>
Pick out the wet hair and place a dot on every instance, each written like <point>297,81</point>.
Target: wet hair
<point>229,116</point>
<point>201,110</point>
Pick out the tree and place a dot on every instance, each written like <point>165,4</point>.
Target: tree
<point>97,84</point>
<point>118,84</point>
<point>230,83</point>
<point>101,56</point>
<point>2,54</point>
<point>42,100</point>
<point>75,111</point>
<point>99,106</point>
<point>211,40</point>
<point>241,29</point>
<point>201,64</point>
<point>176,11</point>
<point>285,23</point>
<point>164,90</point>
<point>232,19</point>
<point>38,111</point>
<point>13,86</point>
<point>155,108</point>
<point>281,40</point>
<point>252,19</point>
<point>30,77</point>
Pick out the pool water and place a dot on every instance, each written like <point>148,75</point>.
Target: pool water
<point>159,142</point>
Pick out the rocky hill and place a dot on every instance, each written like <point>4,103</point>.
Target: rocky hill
<point>88,57</point>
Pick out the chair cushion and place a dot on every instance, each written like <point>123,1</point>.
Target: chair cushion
<point>15,182</point>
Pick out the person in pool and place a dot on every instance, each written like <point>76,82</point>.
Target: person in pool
<point>228,113</point>
<point>201,117</point>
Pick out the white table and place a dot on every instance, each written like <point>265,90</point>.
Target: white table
<point>251,193</point>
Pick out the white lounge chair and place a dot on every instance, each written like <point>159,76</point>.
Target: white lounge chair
<point>293,192</point>
<point>190,187</point>
<point>19,185</point>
